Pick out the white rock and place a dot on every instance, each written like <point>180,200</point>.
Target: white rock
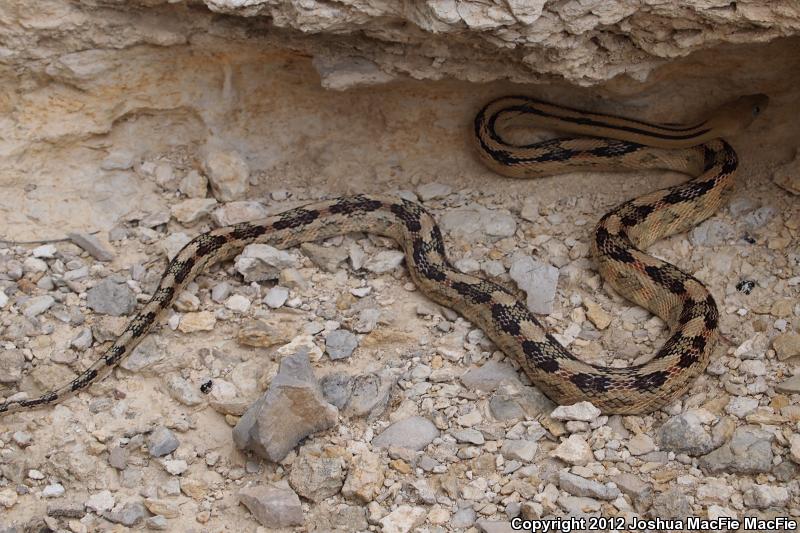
<point>276,296</point>
<point>764,496</point>
<point>100,501</point>
<point>432,190</point>
<point>34,264</point>
<point>228,175</point>
<point>741,406</point>
<point>641,444</point>
<point>574,450</point>
<point>385,261</point>
<point>53,491</point>
<point>403,519</point>
<point>175,467</point>
<point>238,303</point>
<point>538,280</point>
<point>47,251</point>
<point>582,411</point>
<point>261,262</point>
<point>190,210</point>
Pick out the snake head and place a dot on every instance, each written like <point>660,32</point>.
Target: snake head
<point>757,102</point>
<point>735,116</point>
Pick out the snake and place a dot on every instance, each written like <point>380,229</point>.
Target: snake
<point>596,141</point>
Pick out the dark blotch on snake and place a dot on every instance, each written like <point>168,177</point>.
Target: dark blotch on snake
<point>296,218</point>
<point>180,270</point>
<point>689,191</point>
<point>164,294</point>
<point>354,204</point>
<point>650,381</point>
<point>84,380</point>
<point>687,359</point>
<point>634,214</point>
<point>669,277</point>
<point>208,243</point>
<point>425,267</point>
<point>140,324</point>
<point>410,220</point>
<point>504,317</point>
<point>113,354</point>
<point>247,231</point>
<point>591,382</point>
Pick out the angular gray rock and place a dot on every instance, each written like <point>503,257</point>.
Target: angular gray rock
<point>273,507</point>
<point>538,280</point>
<point>489,376</point>
<point>11,364</point>
<point>336,388</point>
<point>520,449</point>
<point>765,496</point>
<point>685,433</point>
<point>37,305</point>
<point>327,258</point>
<point>227,173</point>
<point>292,408</point>
<point>748,452</point>
<point>340,344</point>
<point>413,433</point>
<point>262,262</point>
<point>317,473</point>
<point>518,402</point>
<point>641,492</point>
<point>110,298</point>
<point>92,245</point>
<point>128,514</point>
<point>579,486</point>
<point>671,504</point>
<point>364,395</point>
<point>161,442</point>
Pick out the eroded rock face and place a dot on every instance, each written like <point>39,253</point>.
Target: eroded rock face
<point>113,103</point>
<point>584,42</point>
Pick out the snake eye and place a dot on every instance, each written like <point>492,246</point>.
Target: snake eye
<point>756,110</point>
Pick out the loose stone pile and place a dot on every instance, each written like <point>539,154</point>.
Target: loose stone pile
<point>383,411</point>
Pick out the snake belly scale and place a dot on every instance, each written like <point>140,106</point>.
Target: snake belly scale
<point>606,142</point>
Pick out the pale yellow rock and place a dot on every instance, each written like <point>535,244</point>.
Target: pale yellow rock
<point>194,488</point>
<point>782,307</point>
<point>167,509</point>
<point>794,447</point>
<point>192,209</point>
<point>787,345</point>
<point>365,477</point>
<point>8,497</point>
<point>261,334</point>
<point>574,450</point>
<point>438,515</point>
<point>200,321</point>
<point>598,316</point>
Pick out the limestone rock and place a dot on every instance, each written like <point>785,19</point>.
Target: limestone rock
<point>273,507</point>
<point>318,473</point>
<point>685,433</point>
<point>289,411</point>
<point>413,433</point>
<point>365,477</point>
<point>574,450</point>
<point>227,174</point>
<point>748,452</point>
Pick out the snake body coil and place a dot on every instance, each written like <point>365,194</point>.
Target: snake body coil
<point>614,143</point>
